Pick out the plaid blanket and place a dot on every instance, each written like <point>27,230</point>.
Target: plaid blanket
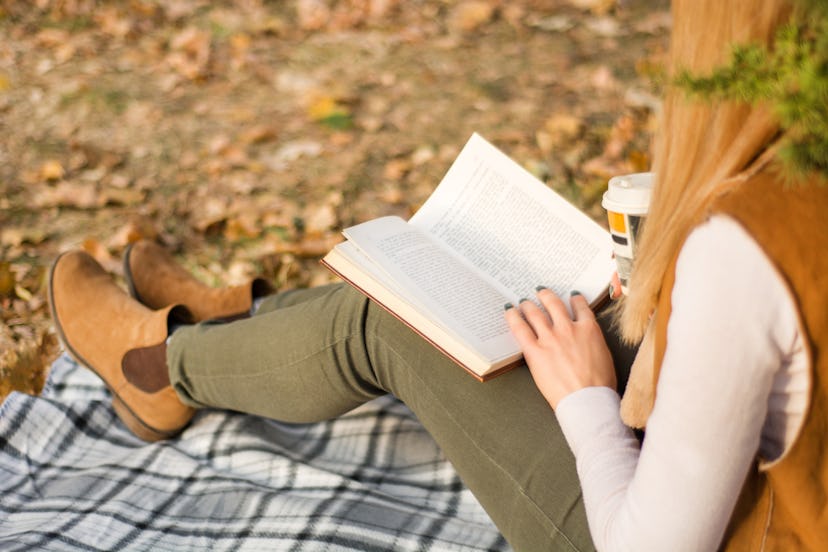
<point>72,477</point>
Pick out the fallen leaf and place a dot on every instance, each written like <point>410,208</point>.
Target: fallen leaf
<point>17,236</point>
<point>145,8</point>
<point>514,15</point>
<point>240,272</point>
<point>639,160</point>
<point>208,213</point>
<point>329,111</point>
<point>120,196</point>
<point>89,155</point>
<point>120,181</point>
<point>322,107</point>
<point>545,141</point>
<point>219,143</point>
<point>396,169</point>
<point>635,97</point>
<point>606,168</point>
<point>216,166</point>
<point>181,9</point>
<point>44,66</point>
<point>603,79</point>
<point>52,37</point>
<point>23,293</point>
<point>93,175</point>
<point>243,226</point>
<point>236,156</point>
<point>189,160</point>
<point>392,195</point>
<point>319,219</point>
<point>598,7</point>
<point>604,26</point>
<point>309,247</point>
<point>538,168</point>
<point>280,215</point>
<point>321,278</point>
<point>654,22</point>
<point>621,134</point>
<point>68,194</point>
<point>377,9</point>
<point>553,23</point>
<point>468,16</point>
<point>101,254</point>
<point>370,123</point>
<point>132,232</point>
<point>258,134</point>
<point>112,22</point>
<point>51,170</point>
<point>190,54</point>
<point>7,279</point>
<point>335,198</point>
<point>422,155</point>
<point>24,363</point>
<point>557,130</point>
<point>312,14</point>
<point>341,138</point>
<point>270,25</point>
<point>65,52</point>
<point>290,152</point>
<point>240,43</point>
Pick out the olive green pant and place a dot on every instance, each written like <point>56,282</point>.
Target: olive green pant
<point>311,355</point>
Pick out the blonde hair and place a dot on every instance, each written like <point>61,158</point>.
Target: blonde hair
<point>701,145</point>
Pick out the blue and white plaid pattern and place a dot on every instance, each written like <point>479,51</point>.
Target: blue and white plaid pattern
<point>72,477</point>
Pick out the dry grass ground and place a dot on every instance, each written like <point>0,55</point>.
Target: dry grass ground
<point>244,135</point>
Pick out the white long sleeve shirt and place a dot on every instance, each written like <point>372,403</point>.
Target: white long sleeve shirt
<point>734,381</point>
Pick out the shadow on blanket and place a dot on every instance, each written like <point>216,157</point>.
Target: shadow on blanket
<point>73,478</point>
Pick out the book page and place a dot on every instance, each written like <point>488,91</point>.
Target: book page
<point>439,282</point>
<point>513,228</point>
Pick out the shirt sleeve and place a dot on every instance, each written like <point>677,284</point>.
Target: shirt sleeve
<point>731,311</point>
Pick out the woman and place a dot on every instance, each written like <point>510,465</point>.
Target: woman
<point>730,289</point>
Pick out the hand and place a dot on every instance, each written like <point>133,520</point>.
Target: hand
<point>563,355</point>
<point>615,287</point>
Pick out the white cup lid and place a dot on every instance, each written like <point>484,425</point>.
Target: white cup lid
<point>629,193</point>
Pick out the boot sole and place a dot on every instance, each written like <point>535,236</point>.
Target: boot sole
<point>128,276</point>
<point>133,422</point>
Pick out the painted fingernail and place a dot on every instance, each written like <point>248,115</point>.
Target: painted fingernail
<point>522,299</point>
<point>508,306</point>
<point>540,288</point>
<point>574,292</point>
<point>612,291</point>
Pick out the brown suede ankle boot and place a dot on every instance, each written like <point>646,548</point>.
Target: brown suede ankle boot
<point>121,340</point>
<point>157,280</point>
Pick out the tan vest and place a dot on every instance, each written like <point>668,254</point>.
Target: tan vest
<point>783,506</point>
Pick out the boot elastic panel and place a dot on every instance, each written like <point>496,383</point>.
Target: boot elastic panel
<point>260,287</point>
<point>180,315</point>
<point>146,367</point>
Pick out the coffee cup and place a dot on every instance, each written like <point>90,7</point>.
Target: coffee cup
<point>627,201</point>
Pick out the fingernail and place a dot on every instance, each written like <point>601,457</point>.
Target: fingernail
<point>522,299</point>
<point>540,288</point>
<point>574,292</point>
<point>612,291</point>
<point>508,306</point>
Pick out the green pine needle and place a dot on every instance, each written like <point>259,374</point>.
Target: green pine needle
<point>791,77</point>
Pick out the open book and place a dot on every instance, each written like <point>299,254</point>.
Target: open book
<point>488,235</point>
